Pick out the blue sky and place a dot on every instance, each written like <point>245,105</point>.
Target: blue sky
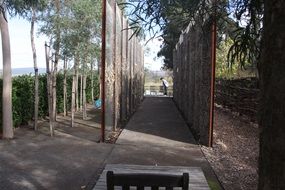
<point>21,52</point>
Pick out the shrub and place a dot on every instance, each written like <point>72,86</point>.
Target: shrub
<point>23,96</point>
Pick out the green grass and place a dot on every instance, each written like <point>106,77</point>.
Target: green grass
<point>214,185</point>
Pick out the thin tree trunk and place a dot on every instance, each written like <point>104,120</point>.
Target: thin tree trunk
<point>100,83</point>
<point>64,87</point>
<point>84,110</point>
<point>76,90</point>
<point>73,96</point>
<point>54,75</point>
<point>272,105</point>
<point>81,91</point>
<point>56,60</point>
<point>47,52</point>
<point>36,104</point>
<point>92,81</point>
<point>8,132</point>
<point>84,98</point>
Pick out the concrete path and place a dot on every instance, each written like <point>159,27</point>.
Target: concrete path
<point>72,159</point>
<point>158,135</point>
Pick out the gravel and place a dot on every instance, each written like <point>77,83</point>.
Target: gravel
<point>234,155</point>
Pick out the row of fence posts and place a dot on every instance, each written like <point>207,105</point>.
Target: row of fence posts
<point>192,72</point>
<point>124,69</point>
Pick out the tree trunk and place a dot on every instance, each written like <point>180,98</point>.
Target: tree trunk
<point>81,91</point>
<point>100,80</point>
<point>84,98</point>
<point>54,74</point>
<point>47,52</point>
<point>56,60</point>
<point>36,104</point>
<point>92,81</point>
<point>84,110</point>
<point>8,132</point>
<point>64,87</point>
<point>76,90</point>
<point>74,84</point>
<point>272,110</point>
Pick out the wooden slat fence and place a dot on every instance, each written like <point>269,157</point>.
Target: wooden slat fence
<point>239,95</point>
<point>124,68</point>
<point>192,77</point>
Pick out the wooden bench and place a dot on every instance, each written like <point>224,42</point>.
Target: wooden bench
<point>197,180</point>
<point>142,180</point>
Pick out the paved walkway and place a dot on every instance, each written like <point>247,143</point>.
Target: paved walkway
<point>72,159</point>
<point>158,135</point>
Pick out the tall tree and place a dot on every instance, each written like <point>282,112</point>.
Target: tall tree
<point>8,132</point>
<point>64,86</point>
<point>272,110</point>
<point>48,73</point>
<point>57,56</point>
<point>74,86</point>
<point>51,20</point>
<point>28,9</point>
<point>36,108</point>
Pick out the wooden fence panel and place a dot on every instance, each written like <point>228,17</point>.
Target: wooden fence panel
<point>124,68</point>
<point>192,77</point>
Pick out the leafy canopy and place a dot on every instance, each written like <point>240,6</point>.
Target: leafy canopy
<point>241,20</point>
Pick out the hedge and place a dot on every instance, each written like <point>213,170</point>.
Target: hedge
<point>23,96</point>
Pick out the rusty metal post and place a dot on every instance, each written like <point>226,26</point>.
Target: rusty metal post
<point>103,58</point>
<point>213,64</point>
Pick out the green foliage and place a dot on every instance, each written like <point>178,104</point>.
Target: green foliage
<point>234,70</point>
<point>222,68</point>
<point>241,20</point>
<point>22,99</point>
<point>24,8</point>
<point>80,27</point>
<point>152,78</point>
<point>23,96</point>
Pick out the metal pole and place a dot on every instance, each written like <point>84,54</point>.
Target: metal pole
<point>213,64</point>
<point>103,58</point>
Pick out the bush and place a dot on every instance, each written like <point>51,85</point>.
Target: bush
<point>23,96</point>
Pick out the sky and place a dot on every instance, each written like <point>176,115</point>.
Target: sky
<point>153,62</point>
<point>20,42</point>
<point>21,51</point>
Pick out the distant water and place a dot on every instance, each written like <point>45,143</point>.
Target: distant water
<point>27,71</point>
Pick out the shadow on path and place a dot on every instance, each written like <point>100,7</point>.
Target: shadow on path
<point>69,160</point>
<point>158,135</point>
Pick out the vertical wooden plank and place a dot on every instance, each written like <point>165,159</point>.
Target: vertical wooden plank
<point>129,68</point>
<point>124,70</point>
<point>117,66</point>
<point>175,69</point>
<point>114,49</point>
<point>205,84</point>
<point>109,70</point>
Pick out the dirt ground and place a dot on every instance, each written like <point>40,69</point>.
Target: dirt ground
<point>234,155</point>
